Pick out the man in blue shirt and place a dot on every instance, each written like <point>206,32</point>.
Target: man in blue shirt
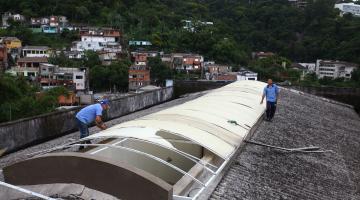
<point>89,114</point>
<point>271,92</point>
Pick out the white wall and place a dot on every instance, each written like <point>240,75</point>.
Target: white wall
<point>80,84</point>
<point>36,53</point>
<point>97,39</point>
<point>87,45</point>
<point>311,67</point>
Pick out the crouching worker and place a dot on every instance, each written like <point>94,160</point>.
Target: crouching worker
<point>90,114</point>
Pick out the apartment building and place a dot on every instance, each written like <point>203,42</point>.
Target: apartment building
<point>334,69</point>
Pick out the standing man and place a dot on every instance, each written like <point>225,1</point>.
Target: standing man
<point>89,114</point>
<point>271,91</point>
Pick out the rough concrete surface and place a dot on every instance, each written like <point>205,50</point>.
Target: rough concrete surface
<point>264,173</point>
<point>23,154</point>
<point>301,121</point>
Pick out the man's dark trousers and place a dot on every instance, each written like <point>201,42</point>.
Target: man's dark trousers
<point>83,128</point>
<point>270,109</point>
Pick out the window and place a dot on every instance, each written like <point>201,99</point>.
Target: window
<point>78,77</point>
<point>326,69</point>
<point>68,77</point>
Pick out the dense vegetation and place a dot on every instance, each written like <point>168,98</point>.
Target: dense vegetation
<point>18,99</point>
<point>239,27</point>
<point>110,78</point>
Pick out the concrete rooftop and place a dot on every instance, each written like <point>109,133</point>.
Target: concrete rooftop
<point>264,173</point>
<point>301,120</point>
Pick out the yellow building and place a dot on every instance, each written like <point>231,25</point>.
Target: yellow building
<point>11,42</point>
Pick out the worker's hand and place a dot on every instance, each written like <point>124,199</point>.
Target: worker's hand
<point>103,127</point>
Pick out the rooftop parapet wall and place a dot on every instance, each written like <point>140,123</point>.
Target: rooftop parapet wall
<point>24,132</point>
<point>328,90</point>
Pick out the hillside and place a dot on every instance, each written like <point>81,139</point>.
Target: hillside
<point>239,27</point>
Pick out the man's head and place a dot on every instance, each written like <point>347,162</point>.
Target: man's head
<point>105,104</point>
<point>270,82</point>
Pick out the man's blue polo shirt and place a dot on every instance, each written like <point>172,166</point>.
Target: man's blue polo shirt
<point>270,92</point>
<point>89,113</point>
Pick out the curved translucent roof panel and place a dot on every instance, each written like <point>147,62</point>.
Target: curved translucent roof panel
<point>218,121</point>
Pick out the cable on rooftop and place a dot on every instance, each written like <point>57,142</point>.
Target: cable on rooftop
<point>310,149</point>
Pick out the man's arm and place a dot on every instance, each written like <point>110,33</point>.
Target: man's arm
<point>99,123</point>
<point>263,96</point>
<point>262,99</point>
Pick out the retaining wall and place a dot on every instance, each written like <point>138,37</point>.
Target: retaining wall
<point>24,132</point>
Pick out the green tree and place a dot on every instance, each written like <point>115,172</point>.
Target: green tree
<point>119,76</point>
<point>226,51</point>
<point>159,71</point>
<point>114,77</point>
<point>18,99</point>
<point>91,59</point>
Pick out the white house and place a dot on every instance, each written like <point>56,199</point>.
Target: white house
<point>86,45</point>
<point>73,54</point>
<point>79,79</point>
<point>35,51</point>
<point>98,40</point>
<point>348,8</point>
<point>334,69</point>
<point>52,75</point>
<point>310,67</point>
<point>8,15</point>
<point>247,75</point>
